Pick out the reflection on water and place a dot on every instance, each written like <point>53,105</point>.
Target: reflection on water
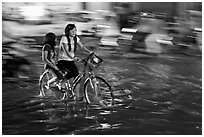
<point>153,95</point>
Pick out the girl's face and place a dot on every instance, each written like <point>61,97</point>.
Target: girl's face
<point>72,32</point>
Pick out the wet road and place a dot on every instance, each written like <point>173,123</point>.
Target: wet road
<point>158,95</point>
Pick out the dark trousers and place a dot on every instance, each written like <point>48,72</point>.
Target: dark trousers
<point>70,67</point>
<point>57,73</point>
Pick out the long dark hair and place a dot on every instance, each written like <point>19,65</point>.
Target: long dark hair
<point>50,39</point>
<point>67,29</point>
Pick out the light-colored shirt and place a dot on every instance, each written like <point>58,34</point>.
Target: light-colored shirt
<point>62,54</point>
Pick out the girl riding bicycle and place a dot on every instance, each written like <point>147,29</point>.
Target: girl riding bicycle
<point>66,54</point>
<point>48,55</point>
<point>95,89</point>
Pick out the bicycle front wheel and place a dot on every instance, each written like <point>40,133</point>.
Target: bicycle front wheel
<point>98,91</point>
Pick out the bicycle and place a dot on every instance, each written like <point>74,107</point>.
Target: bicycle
<point>95,88</point>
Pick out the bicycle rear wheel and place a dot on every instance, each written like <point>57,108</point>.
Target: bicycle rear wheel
<point>52,90</point>
<point>98,91</point>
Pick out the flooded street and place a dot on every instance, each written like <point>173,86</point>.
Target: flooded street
<point>157,95</point>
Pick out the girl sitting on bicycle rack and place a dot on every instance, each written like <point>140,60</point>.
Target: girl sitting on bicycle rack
<point>48,54</point>
<point>66,54</point>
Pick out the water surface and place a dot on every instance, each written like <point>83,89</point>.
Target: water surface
<point>157,95</point>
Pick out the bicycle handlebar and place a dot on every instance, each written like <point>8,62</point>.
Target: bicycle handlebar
<point>84,61</point>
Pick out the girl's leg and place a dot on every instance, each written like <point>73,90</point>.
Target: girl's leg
<point>77,89</point>
<point>62,65</point>
<point>57,77</point>
<point>54,79</point>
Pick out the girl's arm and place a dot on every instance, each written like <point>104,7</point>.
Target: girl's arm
<point>44,58</point>
<point>83,47</point>
<point>66,51</point>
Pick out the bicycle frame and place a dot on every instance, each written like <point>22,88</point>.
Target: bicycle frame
<point>87,73</point>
